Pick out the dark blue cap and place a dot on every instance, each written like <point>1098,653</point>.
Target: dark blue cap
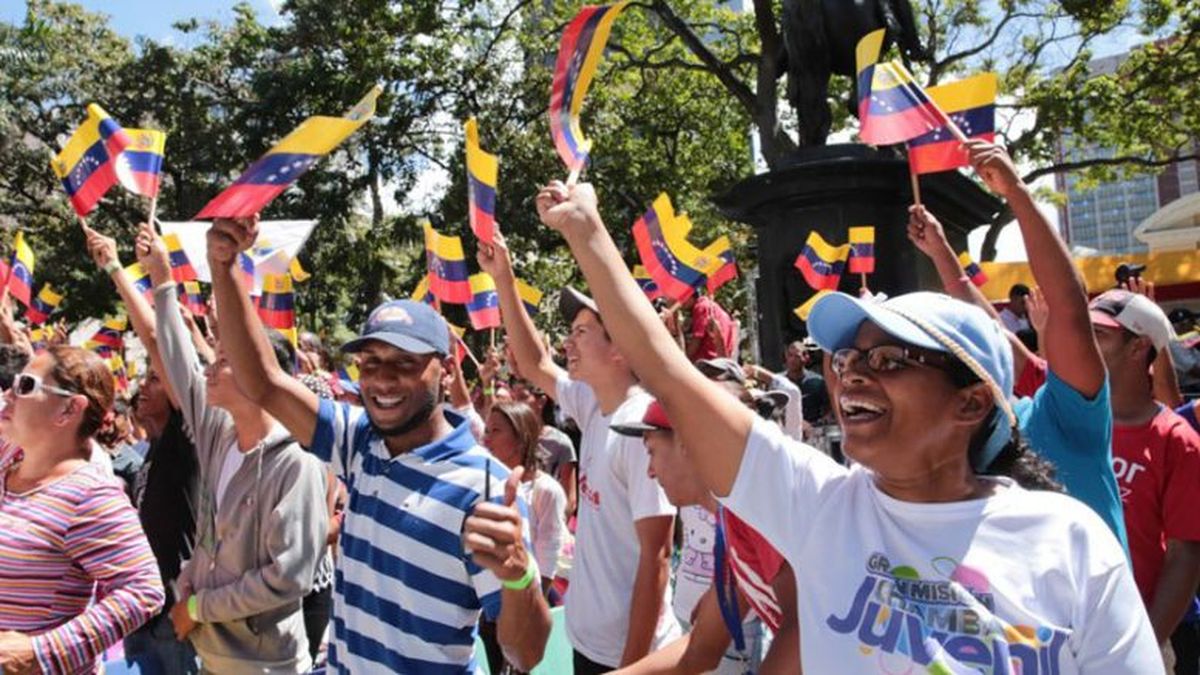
<point>405,324</point>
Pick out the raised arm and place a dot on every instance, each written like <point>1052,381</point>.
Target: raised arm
<point>532,359</point>
<point>1068,343</point>
<point>714,426</point>
<point>245,344</point>
<point>141,315</point>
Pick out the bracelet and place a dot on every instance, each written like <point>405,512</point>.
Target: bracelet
<point>531,573</point>
<point>489,391</point>
<point>193,608</point>
<point>111,266</point>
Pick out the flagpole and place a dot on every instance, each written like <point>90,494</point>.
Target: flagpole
<point>153,213</point>
<point>573,177</point>
<point>915,179</point>
<point>492,338</point>
<point>863,277</point>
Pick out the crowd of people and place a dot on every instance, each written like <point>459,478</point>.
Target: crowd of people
<point>929,485</point>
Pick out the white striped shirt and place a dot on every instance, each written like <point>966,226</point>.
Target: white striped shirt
<point>407,596</point>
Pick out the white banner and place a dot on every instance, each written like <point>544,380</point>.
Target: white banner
<point>279,241</point>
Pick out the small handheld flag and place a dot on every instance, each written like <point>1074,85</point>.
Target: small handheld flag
<point>971,104</point>
<point>677,266</point>
<point>277,305</point>
<point>862,250</point>
<point>140,279</point>
<point>484,306</point>
<point>448,274</point>
<point>139,165</point>
<point>483,170</point>
<point>86,165</point>
<point>530,297</point>
<point>972,268</point>
<point>892,107</point>
<point>191,297</point>
<point>110,335</point>
<point>20,271</point>
<point>422,293</point>
<point>43,305</point>
<point>822,263</point>
<point>646,282</point>
<point>579,55</point>
<point>181,267</point>
<point>806,308</point>
<point>287,161</point>
<point>348,372</point>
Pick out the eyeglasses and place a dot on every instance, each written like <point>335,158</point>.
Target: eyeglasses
<point>887,359</point>
<point>25,384</point>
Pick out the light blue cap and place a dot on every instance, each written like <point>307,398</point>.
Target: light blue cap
<point>936,322</point>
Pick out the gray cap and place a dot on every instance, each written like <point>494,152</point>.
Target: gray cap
<point>722,369</point>
<point>570,301</point>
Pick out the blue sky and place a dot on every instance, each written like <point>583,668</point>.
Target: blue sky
<point>153,18</point>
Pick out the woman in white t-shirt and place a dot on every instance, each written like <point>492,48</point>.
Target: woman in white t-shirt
<point>915,560</point>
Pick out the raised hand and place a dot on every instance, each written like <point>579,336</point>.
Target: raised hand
<point>492,534</point>
<point>563,208</point>
<point>101,248</point>
<point>1039,311</point>
<point>925,231</point>
<point>490,367</point>
<point>230,236</point>
<point>994,167</point>
<point>494,258</point>
<point>152,254</point>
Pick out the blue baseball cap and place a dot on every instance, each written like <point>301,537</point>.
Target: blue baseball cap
<point>405,324</point>
<point>935,322</point>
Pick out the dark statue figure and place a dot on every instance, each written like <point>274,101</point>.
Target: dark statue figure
<point>819,39</point>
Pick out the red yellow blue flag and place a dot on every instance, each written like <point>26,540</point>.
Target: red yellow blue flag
<point>530,297</point>
<point>892,107</point>
<point>677,266</point>
<point>971,104</point>
<point>139,166</point>
<point>181,267</point>
<point>140,279</point>
<point>192,297</point>
<point>646,282</point>
<point>43,305</point>
<point>806,308</point>
<point>288,160</point>
<point>579,55</point>
<point>87,164</point>
<point>277,304</point>
<point>20,271</point>
<point>110,335</point>
<point>972,268</point>
<point>483,170</point>
<point>348,372</point>
<point>422,293</point>
<point>822,263</point>
<point>484,306</point>
<point>449,279</point>
<point>862,250</point>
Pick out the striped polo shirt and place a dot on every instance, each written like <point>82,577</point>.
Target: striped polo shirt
<point>407,596</point>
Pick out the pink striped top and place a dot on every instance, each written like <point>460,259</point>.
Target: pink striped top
<point>61,543</point>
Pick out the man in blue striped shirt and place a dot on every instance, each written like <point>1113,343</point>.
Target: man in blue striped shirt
<point>422,550</point>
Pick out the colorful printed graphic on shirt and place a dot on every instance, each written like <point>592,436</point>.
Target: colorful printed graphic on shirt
<point>942,626</point>
<point>697,562</point>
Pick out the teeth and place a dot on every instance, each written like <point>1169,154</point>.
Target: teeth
<point>854,406</point>
<point>386,402</point>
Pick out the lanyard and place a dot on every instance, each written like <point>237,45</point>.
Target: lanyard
<point>727,586</point>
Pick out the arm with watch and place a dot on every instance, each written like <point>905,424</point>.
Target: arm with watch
<point>493,535</point>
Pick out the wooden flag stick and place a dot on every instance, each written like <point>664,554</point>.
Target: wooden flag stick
<point>573,177</point>
<point>863,276</point>
<point>153,213</point>
<point>470,354</point>
<point>916,183</point>
<point>492,338</point>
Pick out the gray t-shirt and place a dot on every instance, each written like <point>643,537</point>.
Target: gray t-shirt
<point>555,449</point>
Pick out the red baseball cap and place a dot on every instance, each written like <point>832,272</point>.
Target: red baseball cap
<point>655,419</point>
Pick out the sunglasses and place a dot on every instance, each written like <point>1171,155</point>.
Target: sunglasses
<point>25,384</point>
<point>888,359</point>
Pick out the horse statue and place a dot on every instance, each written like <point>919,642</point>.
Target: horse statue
<point>819,39</point>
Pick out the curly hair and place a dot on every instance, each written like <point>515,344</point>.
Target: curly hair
<point>81,371</point>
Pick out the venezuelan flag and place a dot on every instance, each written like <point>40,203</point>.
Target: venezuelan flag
<point>348,372</point>
<point>192,297</point>
<point>43,305</point>
<point>116,364</point>
<point>276,305</point>
<point>20,270</point>
<point>972,269</point>
<point>806,308</point>
<point>39,337</point>
<point>483,170</point>
<point>484,306</point>
<point>139,166</point>
<point>422,293</point>
<point>971,104</point>
<point>287,161</point>
<point>645,282</point>
<point>460,347</point>
<point>675,264</point>
<point>246,264</point>
<point>110,335</point>
<point>530,297</point>
<point>579,55</point>
<point>86,166</point>
<point>181,267</point>
<point>140,279</point>
<point>862,250</point>
<point>892,107</point>
<point>449,279</point>
<point>821,263</point>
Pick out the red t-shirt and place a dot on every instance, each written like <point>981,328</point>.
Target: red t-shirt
<point>704,309</point>
<point>1031,378</point>
<point>755,564</point>
<point>1158,471</point>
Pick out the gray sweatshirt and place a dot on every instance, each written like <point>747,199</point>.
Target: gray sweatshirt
<point>257,549</point>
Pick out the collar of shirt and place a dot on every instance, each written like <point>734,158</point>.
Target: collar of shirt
<point>451,445</point>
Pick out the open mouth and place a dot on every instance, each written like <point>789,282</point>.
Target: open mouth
<point>387,402</point>
<point>856,410</point>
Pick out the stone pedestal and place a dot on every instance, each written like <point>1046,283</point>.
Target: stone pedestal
<point>831,189</point>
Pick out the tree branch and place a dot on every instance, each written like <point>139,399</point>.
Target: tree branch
<point>716,66</point>
<point>1064,167</point>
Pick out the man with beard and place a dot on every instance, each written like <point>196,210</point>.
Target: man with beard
<point>407,595</point>
<point>165,490</point>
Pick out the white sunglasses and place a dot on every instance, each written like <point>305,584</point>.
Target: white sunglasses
<point>25,384</point>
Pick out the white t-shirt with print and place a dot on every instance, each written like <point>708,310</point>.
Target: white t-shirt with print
<point>1020,582</point>
<point>697,563</point>
<point>615,491</point>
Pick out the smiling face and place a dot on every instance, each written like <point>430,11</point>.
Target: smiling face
<point>588,349</point>
<point>399,389</point>
<point>907,419</point>
<point>501,439</point>
<point>151,405</point>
